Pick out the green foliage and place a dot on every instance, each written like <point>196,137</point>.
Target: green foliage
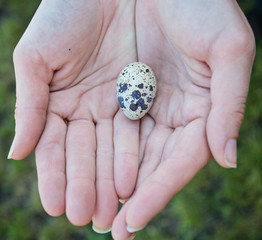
<point>246,5</point>
<point>217,204</point>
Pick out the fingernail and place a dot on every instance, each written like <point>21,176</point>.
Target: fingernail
<point>11,151</point>
<point>231,153</point>
<point>133,230</point>
<point>101,230</point>
<point>121,200</point>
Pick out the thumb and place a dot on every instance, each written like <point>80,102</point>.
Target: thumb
<point>229,88</point>
<point>32,93</point>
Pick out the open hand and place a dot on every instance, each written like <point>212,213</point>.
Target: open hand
<point>202,53</point>
<point>66,67</point>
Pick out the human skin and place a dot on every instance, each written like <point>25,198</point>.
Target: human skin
<point>66,66</point>
<point>202,53</point>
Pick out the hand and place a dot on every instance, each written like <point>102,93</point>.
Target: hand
<point>202,53</point>
<point>66,67</point>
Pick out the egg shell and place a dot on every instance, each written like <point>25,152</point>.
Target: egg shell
<point>136,90</point>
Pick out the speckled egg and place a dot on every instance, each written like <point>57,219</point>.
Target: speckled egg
<point>136,90</point>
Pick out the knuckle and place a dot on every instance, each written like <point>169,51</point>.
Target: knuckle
<point>20,51</point>
<point>17,53</point>
<point>24,52</point>
<point>238,115</point>
<point>232,113</point>
<point>246,42</point>
<point>239,43</point>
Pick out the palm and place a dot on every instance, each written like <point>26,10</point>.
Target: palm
<point>78,58</point>
<point>183,98</point>
<point>189,56</point>
<point>88,102</point>
<point>66,67</point>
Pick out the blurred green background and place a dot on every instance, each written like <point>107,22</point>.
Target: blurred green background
<point>217,204</point>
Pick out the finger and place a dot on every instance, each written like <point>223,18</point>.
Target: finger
<point>153,152</point>
<point>126,144</point>
<point>80,170</point>
<point>106,197</point>
<point>32,91</point>
<point>171,143</point>
<point>191,153</point>
<point>119,230</point>
<point>146,126</point>
<point>50,162</point>
<point>231,68</point>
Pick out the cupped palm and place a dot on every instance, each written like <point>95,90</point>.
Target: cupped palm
<point>202,65</point>
<point>66,67</point>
